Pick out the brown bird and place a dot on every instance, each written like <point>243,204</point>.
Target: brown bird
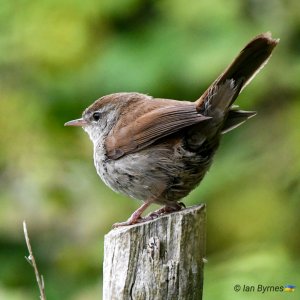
<point>158,150</point>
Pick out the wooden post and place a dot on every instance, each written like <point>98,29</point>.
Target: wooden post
<point>159,259</point>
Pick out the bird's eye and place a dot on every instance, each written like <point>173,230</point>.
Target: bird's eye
<point>96,116</point>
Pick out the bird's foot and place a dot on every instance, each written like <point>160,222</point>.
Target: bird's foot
<point>127,223</point>
<point>136,216</point>
<point>134,219</point>
<point>164,210</point>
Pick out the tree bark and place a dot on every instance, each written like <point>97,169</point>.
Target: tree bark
<point>159,259</point>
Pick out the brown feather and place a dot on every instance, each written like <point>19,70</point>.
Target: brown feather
<point>165,118</point>
<point>245,66</point>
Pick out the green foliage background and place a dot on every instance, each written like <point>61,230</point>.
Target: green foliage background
<point>59,56</point>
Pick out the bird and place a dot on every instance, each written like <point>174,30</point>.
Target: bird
<point>158,150</point>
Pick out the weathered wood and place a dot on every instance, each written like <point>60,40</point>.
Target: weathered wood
<point>159,259</point>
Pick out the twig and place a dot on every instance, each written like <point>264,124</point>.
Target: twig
<point>31,260</point>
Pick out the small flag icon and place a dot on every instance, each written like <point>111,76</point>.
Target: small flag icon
<point>289,288</point>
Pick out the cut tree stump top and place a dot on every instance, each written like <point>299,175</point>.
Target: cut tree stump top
<point>158,259</point>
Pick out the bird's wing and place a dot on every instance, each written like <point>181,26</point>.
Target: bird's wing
<point>150,127</point>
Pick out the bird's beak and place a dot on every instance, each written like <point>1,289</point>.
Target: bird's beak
<point>78,122</point>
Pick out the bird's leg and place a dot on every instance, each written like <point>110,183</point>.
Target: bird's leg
<point>136,216</point>
<point>165,210</point>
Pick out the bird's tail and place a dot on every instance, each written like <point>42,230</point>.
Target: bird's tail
<point>218,98</point>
